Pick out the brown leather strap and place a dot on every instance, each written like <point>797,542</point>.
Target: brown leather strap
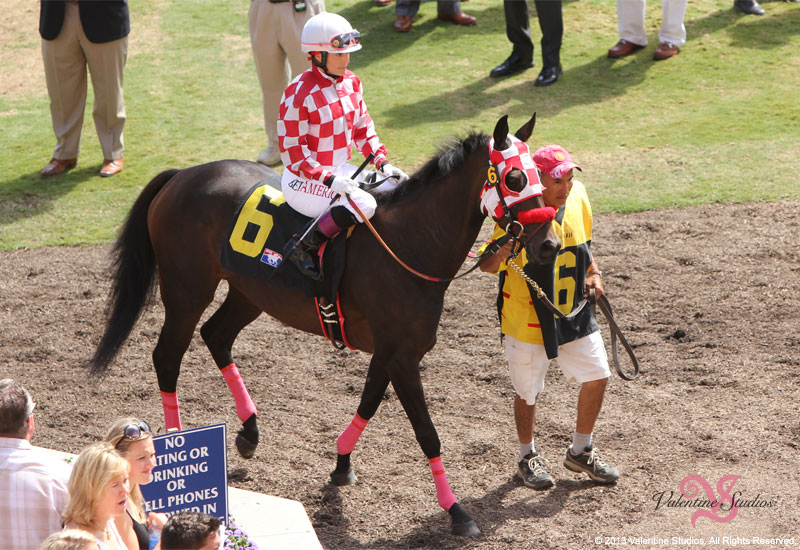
<point>616,333</point>
<point>490,250</point>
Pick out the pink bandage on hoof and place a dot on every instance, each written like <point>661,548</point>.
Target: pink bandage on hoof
<point>349,437</point>
<point>172,412</point>
<point>444,494</point>
<point>244,405</point>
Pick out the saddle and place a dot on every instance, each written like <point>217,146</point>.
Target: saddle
<point>261,226</point>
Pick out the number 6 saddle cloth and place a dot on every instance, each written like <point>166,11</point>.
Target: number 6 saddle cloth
<point>260,228</point>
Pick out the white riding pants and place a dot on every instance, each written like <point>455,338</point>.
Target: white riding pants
<point>311,198</point>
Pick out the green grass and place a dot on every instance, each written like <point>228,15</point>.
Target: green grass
<point>718,123</point>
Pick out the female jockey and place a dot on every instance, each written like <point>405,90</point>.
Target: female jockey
<point>322,115</point>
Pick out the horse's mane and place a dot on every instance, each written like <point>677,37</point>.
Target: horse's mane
<point>450,157</point>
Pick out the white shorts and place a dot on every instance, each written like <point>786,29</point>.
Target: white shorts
<point>312,198</point>
<point>584,360</point>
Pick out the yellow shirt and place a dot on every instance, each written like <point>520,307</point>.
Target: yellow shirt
<point>573,225</point>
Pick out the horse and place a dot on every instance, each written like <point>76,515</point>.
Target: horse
<point>177,227</point>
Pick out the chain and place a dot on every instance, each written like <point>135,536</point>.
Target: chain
<point>539,292</point>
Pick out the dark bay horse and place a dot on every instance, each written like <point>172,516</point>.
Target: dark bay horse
<point>176,230</point>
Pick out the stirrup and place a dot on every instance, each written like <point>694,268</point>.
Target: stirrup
<point>297,252</point>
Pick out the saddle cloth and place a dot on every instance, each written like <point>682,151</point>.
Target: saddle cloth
<point>261,226</point>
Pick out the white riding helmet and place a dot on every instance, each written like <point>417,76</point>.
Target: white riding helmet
<point>329,32</point>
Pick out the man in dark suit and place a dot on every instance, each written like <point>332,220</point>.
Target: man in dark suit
<point>519,33</point>
<point>77,34</point>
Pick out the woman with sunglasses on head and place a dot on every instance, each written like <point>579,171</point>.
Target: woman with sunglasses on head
<point>322,116</point>
<point>98,493</point>
<point>133,439</point>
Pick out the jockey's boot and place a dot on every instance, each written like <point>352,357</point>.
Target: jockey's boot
<point>304,254</point>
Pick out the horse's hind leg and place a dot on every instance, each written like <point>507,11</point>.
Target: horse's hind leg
<point>374,389</point>
<point>219,333</point>
<point>180,319</point>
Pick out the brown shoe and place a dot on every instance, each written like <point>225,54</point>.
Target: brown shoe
<point>623,48</point>
<point>111,167</point>
<point>382,3</point>
<point>402,23</point>
<point>665,50</point>
<point>459,18</point>
<point>58,166</point>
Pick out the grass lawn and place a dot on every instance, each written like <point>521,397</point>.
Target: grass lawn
<point>720,122</point>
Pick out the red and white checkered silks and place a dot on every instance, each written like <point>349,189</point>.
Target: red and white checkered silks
<point>319,122</point>
<point>516,156</point>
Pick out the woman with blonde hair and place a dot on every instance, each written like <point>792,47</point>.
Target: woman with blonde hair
<point>69,539</point>
<point>133,439</point>
<point>98,492</point>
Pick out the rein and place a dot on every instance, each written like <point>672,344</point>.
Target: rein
<point>493,247</point>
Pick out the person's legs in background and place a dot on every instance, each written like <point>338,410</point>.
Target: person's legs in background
<point>106,64</point>
<point>405,10</point>
<point>450,10</point>
<point>271,67</point>
<point>518,32</point>
<point>630,23</point>
<point>65,74</point>
<point>672,34</point>
<point>552,26</point>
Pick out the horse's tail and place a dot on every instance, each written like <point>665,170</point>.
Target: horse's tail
<point>134,276</point>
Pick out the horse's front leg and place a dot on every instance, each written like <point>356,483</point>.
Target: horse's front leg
<point>404,374</point>
<point>374,390</point>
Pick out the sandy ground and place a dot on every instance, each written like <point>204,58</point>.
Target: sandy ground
<point>708,295</point>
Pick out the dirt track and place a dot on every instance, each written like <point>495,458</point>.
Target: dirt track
<point>709,295</point>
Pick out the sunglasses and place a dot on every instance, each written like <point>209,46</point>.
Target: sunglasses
<point>341,41</point>
<point>134,432</point>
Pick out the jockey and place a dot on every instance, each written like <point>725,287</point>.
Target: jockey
<point>322,115</point>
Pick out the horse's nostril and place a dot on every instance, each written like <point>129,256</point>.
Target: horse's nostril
<point>550,250</point>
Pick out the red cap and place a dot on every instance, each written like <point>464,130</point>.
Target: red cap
<point>554,160</point>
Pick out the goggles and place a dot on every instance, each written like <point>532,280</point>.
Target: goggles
<point>134,432</point>
<point>342,41</point>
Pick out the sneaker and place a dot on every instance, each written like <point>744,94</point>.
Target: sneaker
<point>531,471</point>
<point>590,463</point>
<point>270,156</point>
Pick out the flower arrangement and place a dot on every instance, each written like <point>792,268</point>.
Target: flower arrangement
<point>236,538</point>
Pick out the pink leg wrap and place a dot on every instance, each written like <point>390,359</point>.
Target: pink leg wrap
<point>244,405</point>
<point>347,441</point>
<point>172,412</point>
<point>444,494</point>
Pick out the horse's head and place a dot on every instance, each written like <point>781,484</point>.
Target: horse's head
<point>512,194</point>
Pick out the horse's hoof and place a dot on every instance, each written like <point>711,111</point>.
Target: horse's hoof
<point>245,447</point>
<point>468,529</point>
<point>463,524</point>
<point>343,478</point>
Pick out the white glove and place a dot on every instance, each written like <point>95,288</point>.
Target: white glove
<point>343,186</point>
<point>389,170</point>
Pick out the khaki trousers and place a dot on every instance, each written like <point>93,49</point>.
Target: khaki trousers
<point>275,31</point>
<point>65,62</point>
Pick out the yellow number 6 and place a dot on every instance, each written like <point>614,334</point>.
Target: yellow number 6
<point>251,215</point>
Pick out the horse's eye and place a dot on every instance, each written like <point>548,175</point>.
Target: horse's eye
<point>516,180</point>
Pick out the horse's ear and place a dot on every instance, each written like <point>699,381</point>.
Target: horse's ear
<point>526,130</point>
<point>501,134</point>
